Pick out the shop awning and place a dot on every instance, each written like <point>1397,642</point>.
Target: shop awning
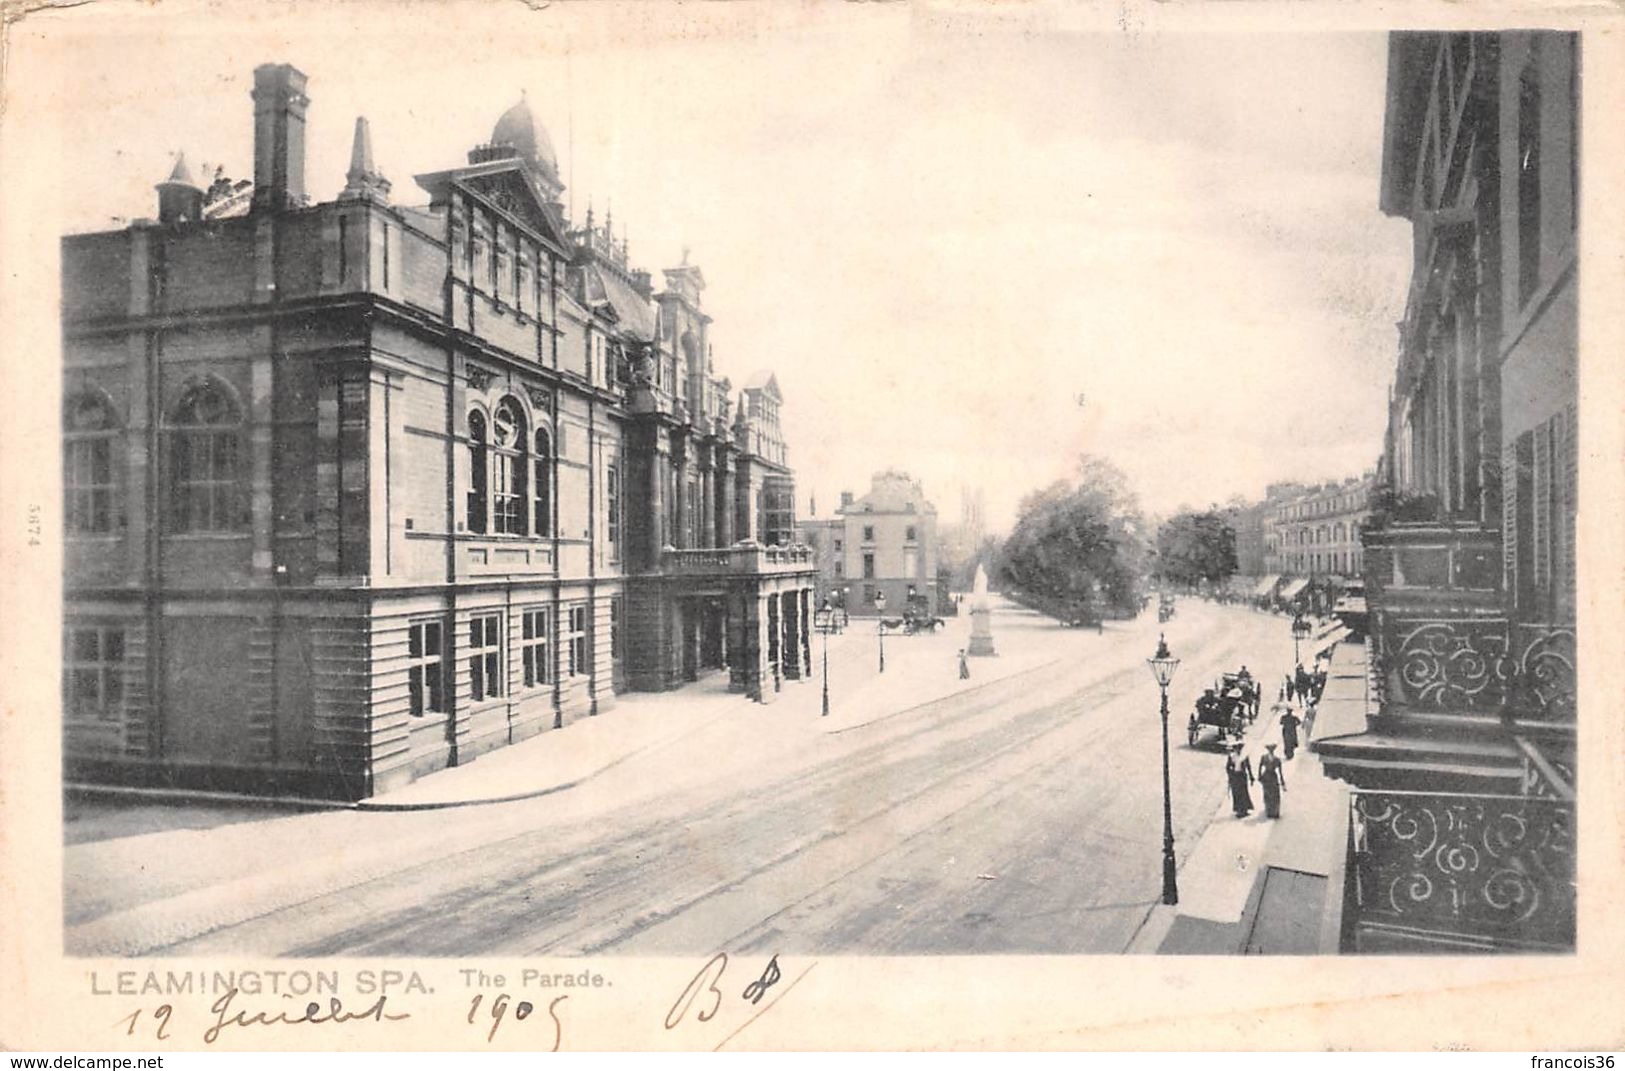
<point>1267,585</point>
<point>1331,636</point>
<point>1290,592</point>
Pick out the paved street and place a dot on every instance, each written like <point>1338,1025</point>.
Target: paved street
<point>1015,815</point>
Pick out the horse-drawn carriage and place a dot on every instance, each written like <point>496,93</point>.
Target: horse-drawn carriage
<point>1165,609</point>
<point>915,619</point>
<point>1229,706</point>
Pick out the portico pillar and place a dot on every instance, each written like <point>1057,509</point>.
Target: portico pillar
<point>791,642</point>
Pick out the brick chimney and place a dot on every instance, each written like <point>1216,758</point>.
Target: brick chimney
<point>279,137</point>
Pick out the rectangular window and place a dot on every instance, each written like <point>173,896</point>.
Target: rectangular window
<point>868,593</point>
<point>508,493</point>
<point>615,645</point>
<point>840,568</point>
<point>612,502</point>
<point>908,534</point>
<point>426,670</point>
<point>577,639</point>
<point>485,657</point>
<point>690,499</point>
<point>868,566</point>
<point>1528,164</point>
<point>93,671</point>
<point>868,533</point>
<point>205,480</point>
<point>534,650</point>
<point>838,544</point>
<point>87,481</point>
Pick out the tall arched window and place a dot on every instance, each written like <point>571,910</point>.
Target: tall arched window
<point>205,451</point>
<point>90,490</point>
<point>508,500</point>
<point>478,454</point>
<point>542,484</point>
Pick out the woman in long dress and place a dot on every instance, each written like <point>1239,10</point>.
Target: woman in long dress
<point>1289,732</point>
<point>1273,778</point>
<point>1238,770</point>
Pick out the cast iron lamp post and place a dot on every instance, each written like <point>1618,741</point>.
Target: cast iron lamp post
<point>1300,632</point>
<point>829,623</point>
<point>1162,666</point>
<point>880,626</point>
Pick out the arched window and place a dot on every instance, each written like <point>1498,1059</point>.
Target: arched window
<point>508,475</point>
<point>542,484</point>
<point>205,450</point>
<point>90,491</point>
<point>478,454</point>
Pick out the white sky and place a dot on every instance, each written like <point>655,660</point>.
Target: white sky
<point>937,229</point>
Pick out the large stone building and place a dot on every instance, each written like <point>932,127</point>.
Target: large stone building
<point>1312,535</point>
<point>356,490</point>
<point>879,553</point>
<point>1468,738</point>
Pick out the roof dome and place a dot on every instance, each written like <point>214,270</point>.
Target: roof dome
<point>519,128</point>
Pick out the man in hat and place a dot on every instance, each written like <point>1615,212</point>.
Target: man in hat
<point>1272,776</point>
<point>1238,771</point>
<point>964,666</point>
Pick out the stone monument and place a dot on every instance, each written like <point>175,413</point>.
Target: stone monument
<point>981,616</point>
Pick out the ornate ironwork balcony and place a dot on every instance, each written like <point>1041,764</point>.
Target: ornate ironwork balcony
<point>1442,643</point>
<point>741,559</point>
<point>1434,872</point>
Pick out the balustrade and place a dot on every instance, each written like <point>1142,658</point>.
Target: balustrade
<point>1458,872</point>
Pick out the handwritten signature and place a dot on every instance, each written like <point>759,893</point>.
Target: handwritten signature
<point>705,990</point>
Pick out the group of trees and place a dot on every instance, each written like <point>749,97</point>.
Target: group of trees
<point>1080,543</point>
<point>1193,547</point>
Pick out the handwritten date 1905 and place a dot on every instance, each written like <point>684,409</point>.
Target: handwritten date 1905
<point>521,1010</point>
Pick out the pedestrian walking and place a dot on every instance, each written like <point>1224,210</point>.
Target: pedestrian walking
<point>1238,770</point>
<point>1289,687</point>
<point>964,666</point>
<point>1289,732</point>
<point>1272,777</point>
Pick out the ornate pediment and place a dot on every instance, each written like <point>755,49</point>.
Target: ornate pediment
<point>511,192</point>
<point>506,184</point>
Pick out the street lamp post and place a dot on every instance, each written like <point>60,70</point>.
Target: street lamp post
<point>1162,665</point>
<point>829,623</point>
<point>1300,632</point>
<point>880,630</point>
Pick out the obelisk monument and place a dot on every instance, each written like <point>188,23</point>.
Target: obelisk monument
<point>981,617</point>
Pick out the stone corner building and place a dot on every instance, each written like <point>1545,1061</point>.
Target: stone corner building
<point>355,491</point>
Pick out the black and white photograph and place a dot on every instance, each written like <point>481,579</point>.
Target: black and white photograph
<point>618,507</point>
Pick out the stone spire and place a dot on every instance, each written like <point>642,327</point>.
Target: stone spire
<point>180,199</point>
<point>363,182</point>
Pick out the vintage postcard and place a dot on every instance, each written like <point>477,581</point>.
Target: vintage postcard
<point>816,526</point>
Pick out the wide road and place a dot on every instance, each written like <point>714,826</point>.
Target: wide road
<point>1023,816</point>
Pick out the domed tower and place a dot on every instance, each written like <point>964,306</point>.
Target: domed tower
<point>518,135</point>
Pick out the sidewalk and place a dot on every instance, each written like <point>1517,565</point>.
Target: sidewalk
<point>919,670</point>
<point>1258,885</point>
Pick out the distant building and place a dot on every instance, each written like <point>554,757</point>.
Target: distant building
<point>355,491</point>
<point>1248,524</point>
<point>1314,532</point>
<point>879,553</point>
